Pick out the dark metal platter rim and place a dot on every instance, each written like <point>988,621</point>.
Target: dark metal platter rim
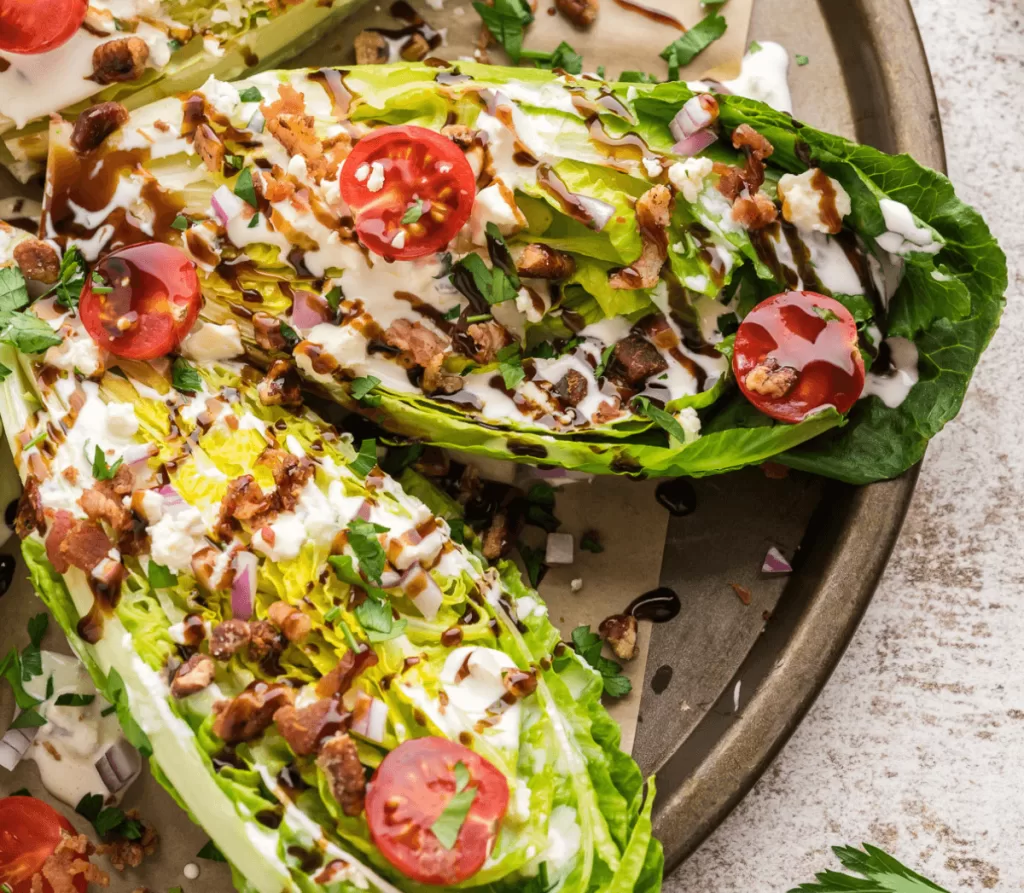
<point>855,529</point>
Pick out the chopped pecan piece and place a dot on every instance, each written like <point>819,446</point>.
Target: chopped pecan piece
<point>123,59</point>
<point>371,48</point>
<point>769,379</point>
<point>652,217</point>
<point>497,539</point>
<point>757,149</point>
<point>415,48</point>
<point>37,260</point>
<point>608,411</point>
<point>85,546</point>
<point>209,147</point>
<point>489,337</point>
<point>251,713</point>
<point>265,640</point>
<point>130,853</point>
<point>267,330</point>
<point>68,867</point>
<point>519,683</point>
<point>305,727</point>
<point>438,380</point>
<point>339,680</point>
<point>730,180</point>
<point>207,574</point>
<point>228,638</point>
<point>290,620</point>
<point>619,631</point>
<point>30,516</point>
<point>417,344</point>
<point>572,387</point>
<point>193,675</point>
<point>755,211</point>
<point>462,135</point>
<point>95,124</point>
<point>339,761</point>
<point>243,501</point>
<point>280,386</point>
<point>543,262</point>
<point>635,359</point>
<point>581,13</point>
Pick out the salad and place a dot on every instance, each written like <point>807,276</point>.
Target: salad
<point>321,667</point>
<point>65,55</point>
<point>647,279</point>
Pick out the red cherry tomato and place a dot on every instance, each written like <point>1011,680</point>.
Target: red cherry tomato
<point>424,174</point>
<point>408,793</point>
<point>35,26</point>
<point>29,832</point>
<point>797,352</point>
<point>141,301</point>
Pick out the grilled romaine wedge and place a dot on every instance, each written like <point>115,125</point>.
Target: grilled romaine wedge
<point>585,315</point>
<point>342,693</point>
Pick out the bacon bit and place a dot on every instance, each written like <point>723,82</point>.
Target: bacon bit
<point>280,386</point>
<point>415,48</point>
<point>209,147</point>
<point>275,185</point>
<point>85,546</point>
<point>742,593</point>
<point>290,620</point>
<point>101,502</point>
<point>461,134</point>
<point>303,728</point>
<point>339,761</point>
<point>243,501</point>
<point>730,180</point>
<point>497,541</point>
<point>204,569</point>
<point>608,411</point>
<point>652,216</point>
<point>635,359</point>
<point>123,59</point>
<point>95,124</point>
<point>62,523</point>
<point>418,345</point>
<point>489,337</point>
<point>267,329</point>
<point>251,713</point>
<point>287,121</point>
<point>37,260</point>
<point>265,641</point>
<point>339,680</point>
<point>69,861</point>
<point>572,387</point>
<point>754,212</point>
<point>30,518</point>
<point>291,474</point>
<point>757,149</point>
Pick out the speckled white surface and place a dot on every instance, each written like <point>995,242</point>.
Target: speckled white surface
<point>917,743</point>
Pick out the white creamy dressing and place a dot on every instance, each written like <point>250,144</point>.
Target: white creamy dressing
<point>903,235</point>
<point>830,262</point>
<point>893,386</point>
<point>764,76</point>
<point>76,740</point>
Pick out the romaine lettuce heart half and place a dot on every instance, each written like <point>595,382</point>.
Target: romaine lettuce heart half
<point>152,49</point>
<point>583,317</point>
<point>257,598</point>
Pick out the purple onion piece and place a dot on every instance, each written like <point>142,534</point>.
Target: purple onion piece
<point>243,589</point>
<point>14,745</point>
<point>775,563</point>
<point>118,766</point>
<point>694,144</point>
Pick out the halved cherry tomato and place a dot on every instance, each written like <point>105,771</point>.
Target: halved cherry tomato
<point>141,301</point>
<point>426,180</point>
<point>29,833</point>
<point>408,793</point>
<point>35,26</point>
<point>797,352</point>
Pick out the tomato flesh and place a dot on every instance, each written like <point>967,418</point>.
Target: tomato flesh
<point>152,302</point>
<point>35,26</point>
<point>29,832</point>
<point>409,792</point>
<point>797,352</point>
<point>427,183</point>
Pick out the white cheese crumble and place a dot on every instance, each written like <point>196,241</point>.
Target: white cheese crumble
<point>801,201</point>
<point>688,176</point>
<point>222,96</point>
<point>177,537</point>
<point>210,342</point>
<point>121,420</point>
<point>494,204</point>
<point>375,181</point>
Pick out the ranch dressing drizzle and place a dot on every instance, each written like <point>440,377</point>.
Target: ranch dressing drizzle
<point>76,739</point>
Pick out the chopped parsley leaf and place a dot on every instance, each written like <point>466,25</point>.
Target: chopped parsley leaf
<point>245,189</point>
<point>185,377</point>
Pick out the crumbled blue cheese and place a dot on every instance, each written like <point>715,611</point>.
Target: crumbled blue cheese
<point>688,176</point>
<point>176,537</point>
<point>210,342</point>
<point>801,201</point>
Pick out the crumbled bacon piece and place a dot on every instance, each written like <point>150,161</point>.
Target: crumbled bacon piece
<point>652,217</point>
<point>755,211</point>
<point>204,569</point>
<point>291,474</point>
<point>123,59</point>
<point>757,149</point>
<point>462,135</point>
<point>275,186</point>
<point>243,501</point>
<point>730,180</point>
<point>95,124</point>
<point>371,48</point>
<point>280,386</point>
<point>85,546</point>
<point>37,260</point>
<point>339,761</point>
<point>635,359</point>
<point>304,727</point>
<point>209,147</point>
<point>769,379</point>
<point>101,502</point>
<point>540,261</point>
<point>68,863</point>
<point>582,13</point>
<point>619,631</point>
<point>290,620</point>
<point>418,345</point>
<point>267,330</point>
<point>192,676</point>
<point>61,525</point>
<point>249,714</point>
<point>607,411</point>
<point>489,337</point>
<point>287,121</point>
<point>228,638</point>
<point>30,518</point>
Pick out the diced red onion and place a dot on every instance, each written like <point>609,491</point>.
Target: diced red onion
<point>775,563</point>
<point>694,116</point>
<point>308,310</point>
<point>119,766</point>
<point>225,204</point>
<point>428,597</point>
<point>364,510</point>
<point>370,718</point>
<point>257,122</point>
<point>694,144</point>
<point>389,578</point>
<point>137,453</point>
<point>14,745</point>
<point>170,495</point>
<point>243,589</point>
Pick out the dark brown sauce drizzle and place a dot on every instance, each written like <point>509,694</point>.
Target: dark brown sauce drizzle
<point>662,18</point>
<point>677,496</point>
<point>661,678</point>
<point>7,566</point>
<point>657,606</point>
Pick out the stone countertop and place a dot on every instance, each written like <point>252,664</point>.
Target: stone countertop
<point>916,744</point>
